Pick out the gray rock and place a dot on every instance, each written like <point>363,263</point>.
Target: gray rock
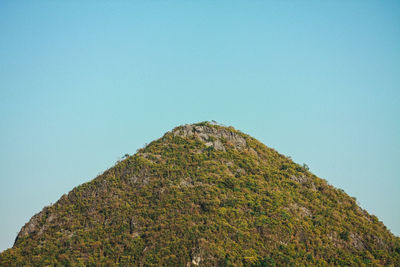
<point>212,136</point>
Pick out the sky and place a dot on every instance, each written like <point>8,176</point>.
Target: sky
<point>82,83</point>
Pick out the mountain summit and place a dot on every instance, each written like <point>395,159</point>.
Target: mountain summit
<point>204,195</point>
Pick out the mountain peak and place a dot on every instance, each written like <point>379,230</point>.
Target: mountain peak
<point>212,135</point>
<point>204,194</point>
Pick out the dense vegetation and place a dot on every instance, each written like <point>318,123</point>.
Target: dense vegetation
<point>204,195</point>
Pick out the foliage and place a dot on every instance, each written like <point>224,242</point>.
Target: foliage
<point>178,201</point>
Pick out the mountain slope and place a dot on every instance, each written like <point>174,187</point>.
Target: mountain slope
<point>204,195</point>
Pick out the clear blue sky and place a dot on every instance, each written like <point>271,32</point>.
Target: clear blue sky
<point>84,82</point>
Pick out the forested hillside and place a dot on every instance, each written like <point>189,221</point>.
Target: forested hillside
<point>205,195</point>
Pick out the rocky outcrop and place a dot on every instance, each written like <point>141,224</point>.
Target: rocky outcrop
<point>33,226</point>
<point>212,136</point>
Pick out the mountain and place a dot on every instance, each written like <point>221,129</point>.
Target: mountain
<point>207,195</point>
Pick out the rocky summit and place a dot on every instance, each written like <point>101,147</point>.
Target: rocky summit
<point>204,195</point>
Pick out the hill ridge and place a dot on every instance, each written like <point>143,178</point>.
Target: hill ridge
<point>204,194</point>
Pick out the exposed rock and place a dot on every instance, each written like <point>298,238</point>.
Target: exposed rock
<point>196,256</point>
<point>253,152</point>
<point>212,136</point>
<point>34,225</point>
<point>142,178</point>
<point>188,182</point>
<point>305,212</point>
<point>133,179</point>
<point>240,172</point>
<point>333,236</point>
<point>196,260</point>
<point>186,130</point>
<point>302,211</point>
<point>229,164</point>
<point>381,244</point>
<point>218,145</point>
<point>356,241</point>
<point>300,178</point>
